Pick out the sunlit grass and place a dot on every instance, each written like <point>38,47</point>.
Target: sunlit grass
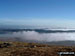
<point>29,49</point>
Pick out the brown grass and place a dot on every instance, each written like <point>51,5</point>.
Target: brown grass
<point>25,49</point>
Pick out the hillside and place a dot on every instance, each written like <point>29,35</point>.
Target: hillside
<point>31,49</point>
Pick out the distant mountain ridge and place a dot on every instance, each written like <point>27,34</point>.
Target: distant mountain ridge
<point>39,30</point>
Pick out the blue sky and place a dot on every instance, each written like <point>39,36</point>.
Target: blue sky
<point>59,13</point>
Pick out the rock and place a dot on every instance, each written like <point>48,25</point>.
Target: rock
<point>3,45</point>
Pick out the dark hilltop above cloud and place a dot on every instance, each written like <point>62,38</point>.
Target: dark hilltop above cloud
<point>40,30</point>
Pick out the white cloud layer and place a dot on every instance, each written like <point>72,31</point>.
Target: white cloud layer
<point>48,37</point>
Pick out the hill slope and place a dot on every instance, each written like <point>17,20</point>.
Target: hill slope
<point>31,49</point>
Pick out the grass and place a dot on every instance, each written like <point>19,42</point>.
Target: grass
<point>28,49</point>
